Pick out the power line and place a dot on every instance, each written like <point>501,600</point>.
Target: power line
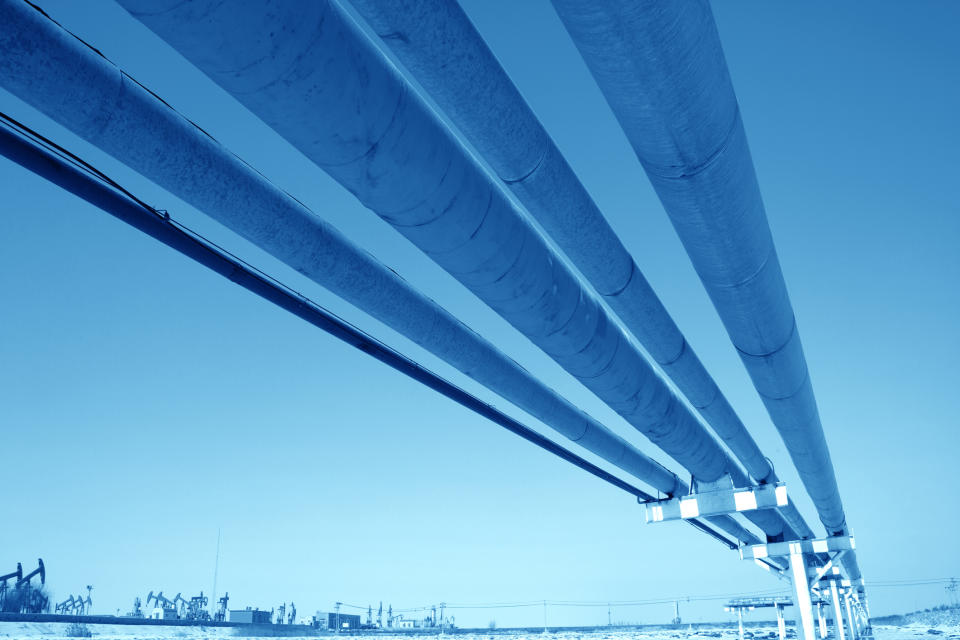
<point>596,603</point>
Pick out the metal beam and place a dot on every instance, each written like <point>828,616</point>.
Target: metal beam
<point>717,502</point>
<point>821,545</point>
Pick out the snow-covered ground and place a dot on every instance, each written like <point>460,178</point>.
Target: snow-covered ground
<point>913,631</point>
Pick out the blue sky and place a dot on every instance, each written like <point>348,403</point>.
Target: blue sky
<point>146,402</point>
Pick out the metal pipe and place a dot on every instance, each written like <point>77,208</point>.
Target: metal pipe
<point>661,67</point>
<point>72,83</point>
<point>309,72</point>
<point>51,162</point>
<point>437,43</point>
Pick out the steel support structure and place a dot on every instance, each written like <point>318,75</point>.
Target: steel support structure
<point>837,614</point>
<point>810,574</point>
<point>717,502</point>
<point>802,602</point>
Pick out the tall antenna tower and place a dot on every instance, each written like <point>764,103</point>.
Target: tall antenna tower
<point>216,569</point>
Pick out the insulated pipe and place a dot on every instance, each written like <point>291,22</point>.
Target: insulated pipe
<point>43,157</point>
<point>661,67</point>
<point>75,85</point>
<point>309,72</point>
<point>437,43</point>
<point>72,83</point>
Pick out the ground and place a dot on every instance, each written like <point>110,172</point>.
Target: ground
<point>913,631</point>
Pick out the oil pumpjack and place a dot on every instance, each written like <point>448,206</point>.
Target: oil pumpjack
<point>221,613</point>
<point>24,597</point>
<point>18,574</point>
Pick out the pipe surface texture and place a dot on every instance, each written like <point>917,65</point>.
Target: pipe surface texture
<point>309,72</point>
<point>50,161</point>
<point>49,68</point>
<point>661,67</point>
<point>437,43</point>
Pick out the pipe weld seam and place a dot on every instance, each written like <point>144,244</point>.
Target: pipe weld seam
<point>539,163</point>
<point>772,352</point>
<point>771,253</point>
<point>686,172</point>
<point>793,394</point>
<point>617,291</point>
<point>375,144</point>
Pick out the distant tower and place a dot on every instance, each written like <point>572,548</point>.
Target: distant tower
<point>676,617</point>
<point>952,589</point>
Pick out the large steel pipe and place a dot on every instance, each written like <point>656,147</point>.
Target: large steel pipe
<point>70,82</point>
<point>662,69</point>
<point>437,43</point>
<point>60,167</point>
<point>309,72</point>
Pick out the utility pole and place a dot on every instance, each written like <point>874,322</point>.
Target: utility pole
<point>338,616</point>
<point>609,619</point>
<point>952,589</point>
<point>544,616</point>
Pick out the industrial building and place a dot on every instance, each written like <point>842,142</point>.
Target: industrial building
<point>251,616</point>
<point>326,620</point>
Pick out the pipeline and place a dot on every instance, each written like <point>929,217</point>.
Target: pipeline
<point>48,160</point>
<point>439,46</point>
<point>69,81</point>
<point>308,71</point>
<point>661,67</point>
